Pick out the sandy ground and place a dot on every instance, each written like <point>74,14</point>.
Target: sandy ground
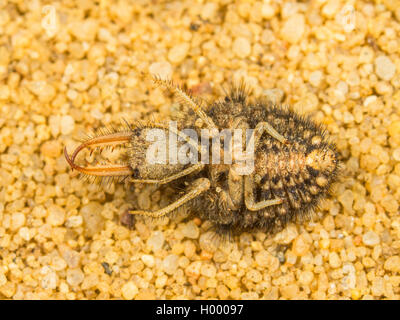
<point>68,66</point>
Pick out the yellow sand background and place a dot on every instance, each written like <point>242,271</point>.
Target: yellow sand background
<point>67,66</point>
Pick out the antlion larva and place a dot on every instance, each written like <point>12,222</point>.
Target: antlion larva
<point>294,164</point>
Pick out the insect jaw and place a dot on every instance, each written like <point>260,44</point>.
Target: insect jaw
<point>112,139</point>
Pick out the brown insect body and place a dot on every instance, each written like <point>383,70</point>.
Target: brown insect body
<point>294,168</point>
<point>300,172</point>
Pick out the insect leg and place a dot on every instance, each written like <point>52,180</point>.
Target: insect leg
<point>265,126</point>
<point>186,99</point>
<point>185,172</point>
<point>200,185</point>
<point>249,200</point>
<point>249,197</point>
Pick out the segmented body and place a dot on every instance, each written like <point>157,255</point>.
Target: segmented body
<point>281,171</point>
<point>294,164</point>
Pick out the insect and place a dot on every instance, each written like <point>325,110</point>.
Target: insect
<point>294,163</point>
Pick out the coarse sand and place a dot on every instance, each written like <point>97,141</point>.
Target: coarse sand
<point>67,67</point>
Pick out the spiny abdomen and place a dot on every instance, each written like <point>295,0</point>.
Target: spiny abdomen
<point>300,173</point>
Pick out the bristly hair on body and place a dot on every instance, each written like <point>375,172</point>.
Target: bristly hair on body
<point>296,164</point>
